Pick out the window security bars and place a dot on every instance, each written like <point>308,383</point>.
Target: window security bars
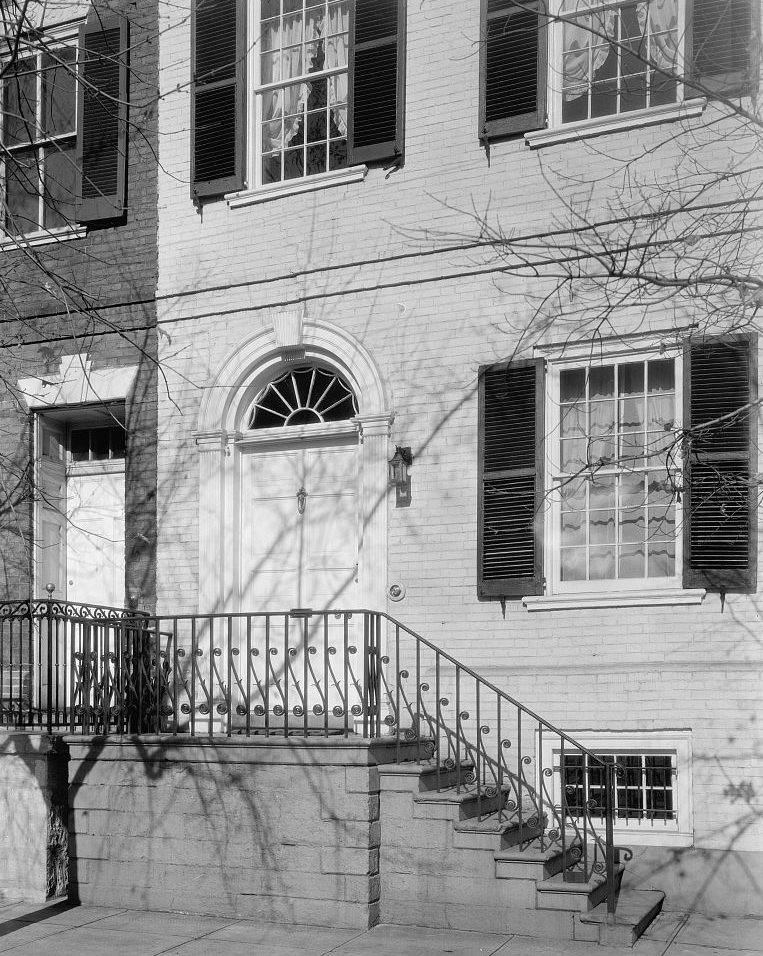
<point>92,670</point>
<point>644,791</point>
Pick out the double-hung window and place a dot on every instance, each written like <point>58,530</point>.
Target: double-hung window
<point>615,466</point>
<point>630,477</point>
<point>301,91</point>
<point>554,63</point>
<point>294,90</point>
<point>63,127</point>
<point>610,58</point>
<point>38,140</point>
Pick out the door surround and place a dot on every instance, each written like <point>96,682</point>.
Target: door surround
<point>222,437</point>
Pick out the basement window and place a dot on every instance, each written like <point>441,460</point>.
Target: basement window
<point>653,800</point>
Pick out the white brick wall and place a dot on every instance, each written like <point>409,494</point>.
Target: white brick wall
<point>377,259</point>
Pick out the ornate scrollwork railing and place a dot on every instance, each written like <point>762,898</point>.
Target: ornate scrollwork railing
<point>110,670</point>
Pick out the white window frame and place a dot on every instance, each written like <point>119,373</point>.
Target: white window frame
<point>553,470</point>
<point>256,191</point>
<point>555,63</point>
<point>641,832</point>
<point>62,36</point>
<point>559,132</point>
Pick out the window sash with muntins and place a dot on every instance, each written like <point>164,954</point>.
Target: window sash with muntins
<point>645,793</point>
<point>614,474</point>
<point>610,59</point>
<point>38,136</point>
<point>300,81</point>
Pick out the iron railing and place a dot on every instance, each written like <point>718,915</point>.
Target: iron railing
<point>93,670</point>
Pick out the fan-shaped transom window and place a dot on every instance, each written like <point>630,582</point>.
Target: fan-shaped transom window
<point>306,395</point>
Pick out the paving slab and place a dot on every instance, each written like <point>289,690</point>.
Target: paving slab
<point>168,924</point>
<point>294,937</point>
<point>57,911</point>
<point>14,932</point>
<point>722,932</point>
<point>88,940</point>
<point>694,949</point>
<point>535,946</point>
<point>389,940</point>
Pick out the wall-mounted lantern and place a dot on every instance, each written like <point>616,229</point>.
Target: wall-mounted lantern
<point>399,477</point>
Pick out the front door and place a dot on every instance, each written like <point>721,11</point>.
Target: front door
<point>299,535</point>
<point>95,540</point>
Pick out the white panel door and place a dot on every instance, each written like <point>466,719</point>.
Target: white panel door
<point>95,539</point>
<point>299,533</point>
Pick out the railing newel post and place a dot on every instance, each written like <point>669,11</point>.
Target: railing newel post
<point>49,694</point>
<point>610,774</point>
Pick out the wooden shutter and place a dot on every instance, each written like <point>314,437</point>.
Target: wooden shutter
<point>512,68</point>
<point>376,121</point>
<point>102,117</point>
<point>218,96</point>
<point>510,552</point>
<point>720,499</point>
<point>722,42</point>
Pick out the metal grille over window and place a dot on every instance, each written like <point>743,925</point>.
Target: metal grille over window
<point>302,87</point>
<point>644,786</point>
<point>617,432</point>
<point>303,396</point>
<point>38,140</point>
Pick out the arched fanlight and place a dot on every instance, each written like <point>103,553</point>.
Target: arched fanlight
<point>306,395</point>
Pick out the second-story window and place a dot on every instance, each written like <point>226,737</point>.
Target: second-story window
<point>302,86</point>
<point>38,140</point>
<point>614,58</point>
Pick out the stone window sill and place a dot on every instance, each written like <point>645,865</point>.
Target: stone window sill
<point>615,124</point>
<point>658,597</point>
<point>42,238</point>
<point>337,177</point>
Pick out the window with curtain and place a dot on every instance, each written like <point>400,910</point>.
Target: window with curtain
<point>616,471</point>
<point>615,58</point>
<point>38,141</point>
<point>302,88</point>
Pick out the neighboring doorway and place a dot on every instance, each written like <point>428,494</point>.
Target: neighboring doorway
<point>80,520</point>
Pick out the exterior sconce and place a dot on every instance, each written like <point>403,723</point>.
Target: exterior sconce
<point>398,475</point>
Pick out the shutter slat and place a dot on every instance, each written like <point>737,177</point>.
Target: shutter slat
<point>511,481</point>
<point>377,81</point>
<point>719,500</point>
<point>722,34</point>
<point>102,118</point>
<point>512,68</point>
<point>218,97</point>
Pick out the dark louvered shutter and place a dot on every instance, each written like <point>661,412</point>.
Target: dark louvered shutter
<point>510,553</point>
<point>720,500</point>
<point>218,96</point>
<point>102,118</point>
<point>375,128</point>
<point>722,45</point>
<point>512,68</point>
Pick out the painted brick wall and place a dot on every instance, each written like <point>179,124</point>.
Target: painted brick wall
<point>395,261</point>
<point>96,295</point>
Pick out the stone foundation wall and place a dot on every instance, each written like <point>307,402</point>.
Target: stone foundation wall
<point>283,830</point>
<point>33,816</point>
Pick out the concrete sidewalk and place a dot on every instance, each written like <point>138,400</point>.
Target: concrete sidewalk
<point>60,929</point>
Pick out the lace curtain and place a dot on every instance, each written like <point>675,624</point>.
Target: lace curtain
<point>286,55</point>
<point>657,19</point>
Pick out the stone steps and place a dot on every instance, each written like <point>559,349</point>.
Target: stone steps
<point>486,871</point>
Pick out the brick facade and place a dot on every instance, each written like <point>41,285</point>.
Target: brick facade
<point>92,295</point>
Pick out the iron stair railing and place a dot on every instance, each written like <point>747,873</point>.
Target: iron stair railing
<point>92,670</point>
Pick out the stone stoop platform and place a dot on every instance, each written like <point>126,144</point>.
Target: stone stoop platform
<point>440,866</point>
